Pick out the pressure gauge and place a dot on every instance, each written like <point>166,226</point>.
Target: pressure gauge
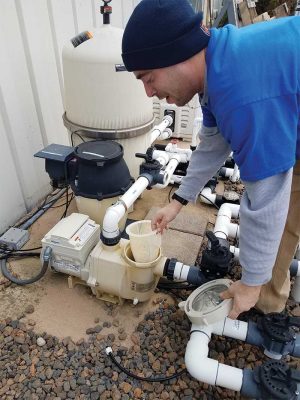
<point>204,306</point>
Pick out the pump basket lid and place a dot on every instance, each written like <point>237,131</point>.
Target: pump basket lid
<point>99,151</point>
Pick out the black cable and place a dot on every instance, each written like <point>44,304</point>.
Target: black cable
<point>202,195</point>
<point>41,207</point>
<point>12,278</point>
<point>158,379</point>
<point>61,205</point>
<point>77,134</point>
<point>169,195</point>
<point>176,286</point>
<point>68,202</point>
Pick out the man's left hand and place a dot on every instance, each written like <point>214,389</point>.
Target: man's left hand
<point>244,297</point>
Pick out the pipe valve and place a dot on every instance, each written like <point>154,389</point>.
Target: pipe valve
<point>150,167</point>
<point>276,380</point>
<point>279,335</point>
<point>215,262</point>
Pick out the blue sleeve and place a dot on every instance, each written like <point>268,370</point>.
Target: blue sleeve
<point>263,136</point>
<point>208,118</point>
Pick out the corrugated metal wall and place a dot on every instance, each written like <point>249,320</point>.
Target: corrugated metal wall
<point>32,34</point>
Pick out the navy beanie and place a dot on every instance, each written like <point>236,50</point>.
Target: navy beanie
<point>161,33</point>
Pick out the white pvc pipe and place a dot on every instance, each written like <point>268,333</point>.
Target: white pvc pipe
<point>168,172</point>
<point>209,196</point>
<point>115,212</point>
<point>223,227</point>
<point>161,156</point>
<point>181,271</point>
<point>227,172</point>
<point>232,173</point>
<point>208,370</point>
<point>160,128</point>
<point>176,179</point>
<point>236,174</point>
<point>174,149</point>
<point>166,134</point>
<point>232,328</point>
<point>235,251</point>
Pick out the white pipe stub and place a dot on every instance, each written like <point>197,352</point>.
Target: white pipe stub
<point>204,306</point>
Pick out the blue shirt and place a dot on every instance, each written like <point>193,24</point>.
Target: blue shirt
<point>253,83</point>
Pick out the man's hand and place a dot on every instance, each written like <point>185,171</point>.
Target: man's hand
<point>165,215</point>
<point>244,297</point>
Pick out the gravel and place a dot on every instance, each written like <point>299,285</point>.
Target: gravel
<point>62,369</point>
<point>37,366</point>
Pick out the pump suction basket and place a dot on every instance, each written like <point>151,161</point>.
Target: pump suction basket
<point>204,306</point>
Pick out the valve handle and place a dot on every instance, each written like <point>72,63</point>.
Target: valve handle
<point>294,321</point>
<point>283,320</point>
<point>142,155</point>
<point>277,381</point>
<point>213,239</point>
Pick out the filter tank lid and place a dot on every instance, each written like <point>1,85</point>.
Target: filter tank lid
<point>99,151</point>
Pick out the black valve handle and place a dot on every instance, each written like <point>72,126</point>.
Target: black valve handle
<point>213,239</point>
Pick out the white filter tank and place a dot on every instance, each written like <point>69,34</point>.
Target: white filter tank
<point>99,94</point>
<point>102,99</point>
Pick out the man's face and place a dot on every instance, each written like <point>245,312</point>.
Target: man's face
<point>171,83</point>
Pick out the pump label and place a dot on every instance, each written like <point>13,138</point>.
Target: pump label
<point>120,67</point>
<point>66,266</point>
<point>142,287</point>
<point>84,233</point>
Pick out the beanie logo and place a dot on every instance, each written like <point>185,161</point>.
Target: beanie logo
<point>205,30</point>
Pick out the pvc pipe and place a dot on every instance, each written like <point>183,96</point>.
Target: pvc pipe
<point>181,271</point>
<point>209,196</point>
<point>232,328</point>
<point>166,134</point>
<point>208,370</point>
<point>173,148</point>
<point>165,156</point>
<point>236,174</point>
<point>168,171</point>
<point>235,251</point>
<point>160,128</point>
<point>223,227</point>
<point>176,179</point>
<point>115,212</point>
<point>232,173</point>
<point>161,156</point>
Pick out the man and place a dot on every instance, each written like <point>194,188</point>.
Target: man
<point>249,79</point>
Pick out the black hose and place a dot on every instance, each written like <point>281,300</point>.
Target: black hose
<point>22,282</point>
<point>140,378</point>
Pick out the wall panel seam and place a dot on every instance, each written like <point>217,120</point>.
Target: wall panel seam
<point>55,47</point>
<point>31,74</point>
<point>12,144</point>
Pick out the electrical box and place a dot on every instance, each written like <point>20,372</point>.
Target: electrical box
<point>14,238</point>
<point>71,240</point>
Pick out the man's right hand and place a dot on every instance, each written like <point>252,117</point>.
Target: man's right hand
<point>165,215</point>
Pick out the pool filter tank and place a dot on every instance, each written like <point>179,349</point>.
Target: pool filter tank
<point>102,99</point>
